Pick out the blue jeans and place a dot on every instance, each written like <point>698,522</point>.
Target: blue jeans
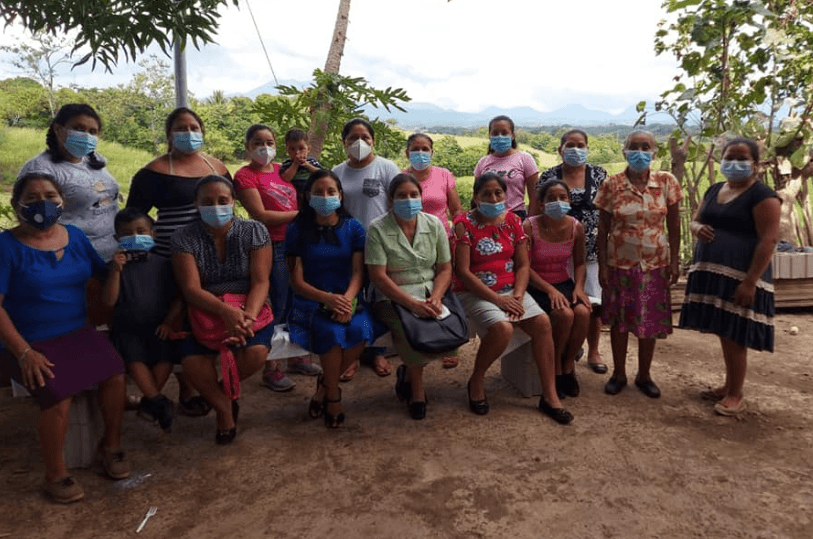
<point>279,292</point>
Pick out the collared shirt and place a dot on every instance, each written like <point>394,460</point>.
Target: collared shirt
<point>410,266</point>
<point>637,235</point>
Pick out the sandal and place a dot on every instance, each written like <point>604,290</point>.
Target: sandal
<point>381,366</point>
<point>331,421</point>
<point>736,411</point>
<point>316,406</point>
<point>450,362</point>
<point>351,371</point>
<point>195,406</point>
<point>560,415</point>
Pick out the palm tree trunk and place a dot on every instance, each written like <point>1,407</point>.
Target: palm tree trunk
<point>334,59</point>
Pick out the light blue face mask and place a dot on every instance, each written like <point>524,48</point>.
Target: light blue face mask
<point>501,143</point>
<point>216,216</point>
<point>79,143</point>
<point>490,210</point>
<point>187,141</point>
<point>557,209</point>
<point>638,160</point>
<point>420,160</point>
<point>407,208</point>
<point>139,242</point>
<point>575,157</point>
<point>324,206</point>
<point>736,171</point>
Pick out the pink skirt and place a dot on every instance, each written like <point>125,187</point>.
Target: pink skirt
<point>638,301</point>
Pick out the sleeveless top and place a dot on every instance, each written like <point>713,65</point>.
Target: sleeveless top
<point>549,260</point>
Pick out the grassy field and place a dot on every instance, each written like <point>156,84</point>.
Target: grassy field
<point>18,145</point>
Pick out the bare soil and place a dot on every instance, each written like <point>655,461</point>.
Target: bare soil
<point>628,466</point>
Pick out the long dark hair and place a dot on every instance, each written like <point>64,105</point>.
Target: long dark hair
<point>307,215</point>
<point>65,114</point>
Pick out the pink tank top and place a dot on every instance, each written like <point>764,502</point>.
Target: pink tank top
<point>549,260</point>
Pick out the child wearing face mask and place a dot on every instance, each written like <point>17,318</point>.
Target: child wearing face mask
<point>147,310</point>
<point>299,165</point>
<point>555,238</point>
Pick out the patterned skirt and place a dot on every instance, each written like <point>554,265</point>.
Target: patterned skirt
<point>638,301</point>
<point>709,307</point>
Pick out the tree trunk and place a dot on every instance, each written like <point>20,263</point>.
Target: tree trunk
<point>334,59</point>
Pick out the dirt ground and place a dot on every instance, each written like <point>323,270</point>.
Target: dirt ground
<point>628,466</point>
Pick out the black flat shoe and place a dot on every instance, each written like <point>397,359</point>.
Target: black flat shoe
<point>598,368</point>
<point>225,437</point>
<point>648,388</point>
<point>316,406</point>
<point>331,421</point>
<point>403,389</point>
<point>560,415</point>
<point>570,385</point>
<point>615,385</point>
<point>417,409</point>
<point>478,407</point>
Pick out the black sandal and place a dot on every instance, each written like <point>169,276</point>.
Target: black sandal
<point>195,406</point>
<point>316,407</point>
<point>333,422</point>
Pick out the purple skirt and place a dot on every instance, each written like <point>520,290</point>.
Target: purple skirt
<point>638,301</point>
<point>81,358</point>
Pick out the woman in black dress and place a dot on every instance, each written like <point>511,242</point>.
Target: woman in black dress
<point>729,290</point>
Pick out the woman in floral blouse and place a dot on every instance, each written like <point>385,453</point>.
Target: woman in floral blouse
<point>638,260</point>
<point>491,265</point>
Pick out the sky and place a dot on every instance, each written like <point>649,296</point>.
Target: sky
<point>464,55</point>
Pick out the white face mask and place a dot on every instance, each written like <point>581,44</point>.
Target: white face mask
<point>264,154</point>
<point>359,150</point>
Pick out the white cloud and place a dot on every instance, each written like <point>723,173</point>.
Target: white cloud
<point>462,54</point>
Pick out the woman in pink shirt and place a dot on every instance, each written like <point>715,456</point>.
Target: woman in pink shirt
<point>439,196</point>
<point>272,201</point>
<point>518,169</point>
<point>554,239</point>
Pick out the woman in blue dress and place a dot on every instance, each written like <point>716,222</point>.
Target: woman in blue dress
<point>324,246</point>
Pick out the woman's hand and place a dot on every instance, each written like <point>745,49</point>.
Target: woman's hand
<point>703,232</point>
<point>558,300</point>
<point>512,306</point>
<point>436,304</point>
<point>35,368</point>
<point>423,309</point>
<point>163,331</point>
<point>339,304</point>
<point>603,276</point>
<point>674,271</point>
<point>744,294</point>
<point>237,321</point>
<point>580,296</point>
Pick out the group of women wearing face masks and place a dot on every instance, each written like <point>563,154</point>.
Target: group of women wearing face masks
<point>331,253</point>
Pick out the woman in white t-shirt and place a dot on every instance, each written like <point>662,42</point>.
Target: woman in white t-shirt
<point>518,169</point>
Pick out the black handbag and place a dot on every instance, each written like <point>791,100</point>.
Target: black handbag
<point>433,336</point>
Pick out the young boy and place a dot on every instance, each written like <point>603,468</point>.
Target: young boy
<point>146,304</point>
<point>299,165</point>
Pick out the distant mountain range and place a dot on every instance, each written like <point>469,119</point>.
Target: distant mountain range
<point>427,116</point>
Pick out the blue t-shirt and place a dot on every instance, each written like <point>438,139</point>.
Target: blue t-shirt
<point>43,296</point>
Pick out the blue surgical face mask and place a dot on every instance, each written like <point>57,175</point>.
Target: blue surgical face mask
<point>216,216</point>
<point>407,208</point>
<point>79,143</point>
<point>324,206</point>
<point>638,160</point>
<point>501,143</point>
<point>40,214</point>
<point>575,157</point>
<point>491,210</point>
<point>736,171</point>
<point>420,160</point>
<point>139,242</point>
<point>557,209</point>
<point>187,141</point>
